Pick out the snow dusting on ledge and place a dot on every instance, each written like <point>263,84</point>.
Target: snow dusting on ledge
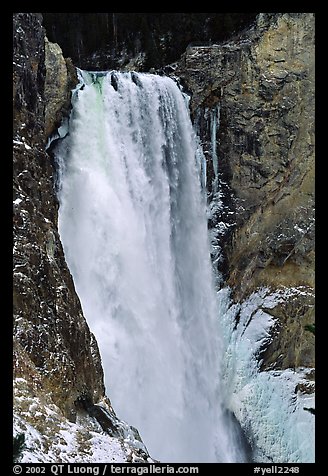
<point>51,438</point>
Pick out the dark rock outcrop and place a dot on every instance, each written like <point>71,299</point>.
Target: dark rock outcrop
<point>28,75</point>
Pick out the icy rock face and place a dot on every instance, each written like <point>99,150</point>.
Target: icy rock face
<point>56,357</point>
<point>50,331</point>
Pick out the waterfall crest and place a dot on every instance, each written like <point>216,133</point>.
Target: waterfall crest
<point>133,225</point>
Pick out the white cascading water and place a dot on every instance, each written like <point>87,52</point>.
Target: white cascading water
<point>133,225</point>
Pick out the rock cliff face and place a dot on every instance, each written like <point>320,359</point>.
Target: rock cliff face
<point>58,376</point>
<point>262,84</point>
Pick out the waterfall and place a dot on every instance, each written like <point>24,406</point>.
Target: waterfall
<point>215,125</point>
<point>133,225</point>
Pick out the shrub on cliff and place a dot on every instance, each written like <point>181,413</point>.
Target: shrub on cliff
<point>18,446</point>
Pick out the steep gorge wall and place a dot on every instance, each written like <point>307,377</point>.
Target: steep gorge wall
<point>263,84</point>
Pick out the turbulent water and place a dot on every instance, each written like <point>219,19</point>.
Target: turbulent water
<point>133,225</point>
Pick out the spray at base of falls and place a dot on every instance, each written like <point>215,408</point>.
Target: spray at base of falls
<point>133,224</point>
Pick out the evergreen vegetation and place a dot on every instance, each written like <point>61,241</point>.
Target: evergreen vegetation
<point>310,410</point>
<point>18,446</point>
<point>310,328</point>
